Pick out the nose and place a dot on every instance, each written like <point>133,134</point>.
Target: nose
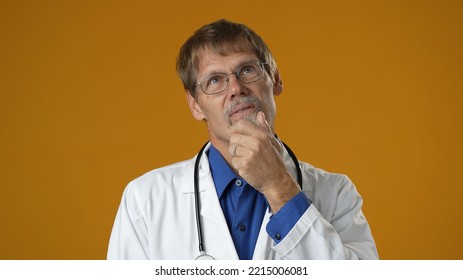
<point>235,86</point>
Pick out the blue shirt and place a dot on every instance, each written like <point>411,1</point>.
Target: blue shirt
<point>244,208</point>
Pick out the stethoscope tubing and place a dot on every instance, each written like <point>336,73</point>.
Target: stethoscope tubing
<point>197,202</point>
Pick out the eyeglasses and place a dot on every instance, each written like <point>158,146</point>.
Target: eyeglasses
<point>218,82</point>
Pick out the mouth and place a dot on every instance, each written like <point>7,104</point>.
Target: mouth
<point>242,110</point>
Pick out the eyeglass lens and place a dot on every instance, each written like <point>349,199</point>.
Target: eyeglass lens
<point>218,82</point>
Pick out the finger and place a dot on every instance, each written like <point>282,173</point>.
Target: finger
<point>234,150</point>
<point>242,139</point>
<point>262,121</point>
<point>246,128</point>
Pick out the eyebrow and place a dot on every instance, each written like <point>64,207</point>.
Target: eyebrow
<point>223,72</point>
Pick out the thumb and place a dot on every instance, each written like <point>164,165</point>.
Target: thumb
<point>262,121</point>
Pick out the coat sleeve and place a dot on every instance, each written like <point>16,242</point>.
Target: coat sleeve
<point>129,234</point>
<point>341,232</point>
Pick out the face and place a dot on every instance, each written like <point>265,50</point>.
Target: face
<point>238,101</point>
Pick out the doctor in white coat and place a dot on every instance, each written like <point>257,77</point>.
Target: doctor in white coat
<point>271,206</point>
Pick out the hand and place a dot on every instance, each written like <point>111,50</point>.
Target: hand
<point>257,156</point>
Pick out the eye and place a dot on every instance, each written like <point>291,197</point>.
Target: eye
<point>214,80</point>
<point>248,70</point>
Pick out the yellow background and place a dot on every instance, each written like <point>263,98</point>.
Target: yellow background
<point>90,100</point>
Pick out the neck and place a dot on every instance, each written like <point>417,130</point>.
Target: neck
<point>223,148</point>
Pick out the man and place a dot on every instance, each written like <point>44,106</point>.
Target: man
<point>253,200</point>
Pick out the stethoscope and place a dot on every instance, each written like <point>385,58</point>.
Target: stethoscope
<point>202,253</point>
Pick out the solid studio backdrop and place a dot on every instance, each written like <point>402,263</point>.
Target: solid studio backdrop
<point>90,100</point>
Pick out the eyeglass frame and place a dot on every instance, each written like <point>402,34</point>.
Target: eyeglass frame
<point>237,75</point>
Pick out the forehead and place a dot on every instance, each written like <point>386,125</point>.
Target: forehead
<point>210,60</point>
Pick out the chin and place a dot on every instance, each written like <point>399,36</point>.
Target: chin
<point>250,118</point>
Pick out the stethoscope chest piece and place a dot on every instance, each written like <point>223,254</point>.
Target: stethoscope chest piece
<point>204,257</point>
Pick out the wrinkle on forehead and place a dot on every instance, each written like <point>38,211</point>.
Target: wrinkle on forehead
<point>214,60</point>
<point>220,49</point>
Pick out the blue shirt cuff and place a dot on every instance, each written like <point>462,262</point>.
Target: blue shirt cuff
<point>284,220</point>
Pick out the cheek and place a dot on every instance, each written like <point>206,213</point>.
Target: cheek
<point>212,110</point>
<point>269,106</point>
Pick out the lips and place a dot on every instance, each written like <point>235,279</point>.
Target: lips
<point>242,108</point>
<point>245,107</point>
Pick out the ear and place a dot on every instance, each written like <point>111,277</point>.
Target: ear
<point>277,83</point>
<point>194,107</point>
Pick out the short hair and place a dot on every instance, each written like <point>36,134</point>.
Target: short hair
<point>223,37</point>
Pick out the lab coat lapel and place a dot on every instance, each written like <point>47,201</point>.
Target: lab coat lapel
<point>217,238</point>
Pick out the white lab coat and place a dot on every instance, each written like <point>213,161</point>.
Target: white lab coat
<point>156,219</point>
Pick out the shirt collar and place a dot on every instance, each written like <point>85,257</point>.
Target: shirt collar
<point>222,174</point>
